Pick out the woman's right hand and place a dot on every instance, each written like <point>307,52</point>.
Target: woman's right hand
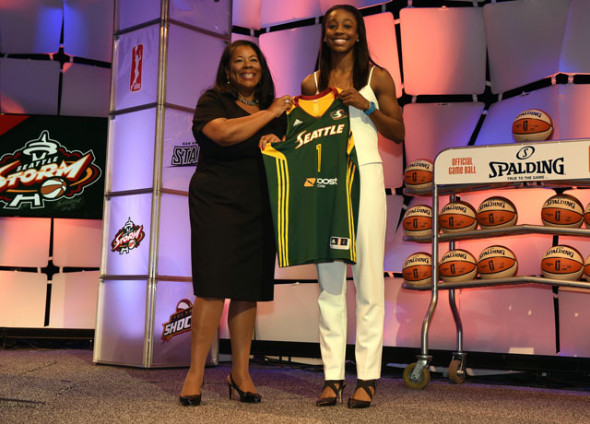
<point>281,105</point>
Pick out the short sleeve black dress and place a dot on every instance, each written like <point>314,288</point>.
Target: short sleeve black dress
<point>232,238</point>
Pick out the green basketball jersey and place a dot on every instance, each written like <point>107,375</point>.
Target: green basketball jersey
<point>313,182</point>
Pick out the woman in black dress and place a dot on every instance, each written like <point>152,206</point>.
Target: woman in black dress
<point>233,251</point>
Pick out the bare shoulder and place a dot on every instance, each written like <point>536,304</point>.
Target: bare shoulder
<point>308,87</point>
<point>382,82</point>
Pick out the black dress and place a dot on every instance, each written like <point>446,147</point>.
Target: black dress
<point>232,237</point>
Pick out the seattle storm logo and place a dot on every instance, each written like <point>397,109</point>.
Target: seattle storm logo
<point>127,238</point>
<point>44,171</point>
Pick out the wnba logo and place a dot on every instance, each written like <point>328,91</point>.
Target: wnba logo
<point>136,68</point>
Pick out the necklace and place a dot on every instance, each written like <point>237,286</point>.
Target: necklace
<point>248,102</point>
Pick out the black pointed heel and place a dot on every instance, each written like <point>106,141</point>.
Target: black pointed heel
<point>191,400</point>
<point>366,385</point>
<point>337,387</point>
<point>246,397</point>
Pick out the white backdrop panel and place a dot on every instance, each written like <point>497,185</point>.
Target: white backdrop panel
<point>293,303</point>
<point>84,90</point>
<point>180,150</point>
<point>135,12</point>
<point>274,12</point>
<point>76,242</point>
<point>509,319</point>
<point>28,86</point>
<point>192,63</point>
<point>22,303</point>
<point>25,241</point>
<point>120,322</point>
<point>290,66</point>
<point>131,150</point>
<point>246,13</point>
<point>73,300</point>
<point>497,126</point>
<point>433,127</point>
<point>177,350</point>
<point>88,28</point>
<point>136,66</point>
<point>174,247</point>
<point>574,53</point>
<point>444,50</point>
<point>30,26</point>
<point>394,209</point>
<point>524,40</point>
<point>382,41</point>
<point>137,208</point>
<point>213,16</point>
<point>574,324</point>
<point>572,99</point>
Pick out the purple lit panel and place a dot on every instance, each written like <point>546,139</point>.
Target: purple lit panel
<point>180,150</point>
<point>25,242</point>
<point>497,126</point>
<point>246,13</point>
<point>174,247</point>
<point>76,242</point>
<point>574,100</point>
<point>212,16</point>
<point>28,86</point>
<point>274,12</point>
<point>524,41</point>
<point>574,53</point>
<point>131,150</point>
<point>136,12</point>
<point>359,4</point>
<point>88,29</point>
<point>73,300</point>
<point>133,211</point>
<point>85,90</point>
<point>290,66</point>
<point>22,303</point>
<point>235,36</point>
<point>433,127</point>
<point>444,50</point>
<point>30,26</point>
<point>192,63</point>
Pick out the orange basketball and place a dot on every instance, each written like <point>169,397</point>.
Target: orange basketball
<point>496,212</point>
<point>587,215</point>
<point>496,262</point>
<point>587,268</point>
<point>457,216</point>
<point>417,221</point>
<point>52,188</point>
<point>532,125</point>
<point>562,210</point>
<point>562,263</point>
<point>418,174</point>
<point>417,269</point>
<point>457,265</point>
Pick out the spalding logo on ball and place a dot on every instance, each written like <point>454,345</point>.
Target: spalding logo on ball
<point>532,125</point>
<point>418,175</point>
<point>417,221</point>
<point>562,210</point>
<point>496,262</point>
<point>53,188</point>
<point>562,263</point>
<point>417,269</point>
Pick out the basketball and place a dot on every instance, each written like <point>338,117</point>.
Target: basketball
<point>417,269</point>
<point>562,263</point>
<point>457,216</point>
<point>419,174</point>
<point>417,221</point>
<point>587,268</point>
<point>496,262</point>
<point>52,188</point>
<point>562,210</point>
<point>496,212</point>
<point>457,265</point>
<point>587,215</point>
<point>532,125</point>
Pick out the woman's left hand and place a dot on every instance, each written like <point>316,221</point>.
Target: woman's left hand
<point>351,97</point>
<point>268,138</point>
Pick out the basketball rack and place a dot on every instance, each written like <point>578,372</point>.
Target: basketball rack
<point>484,174</point>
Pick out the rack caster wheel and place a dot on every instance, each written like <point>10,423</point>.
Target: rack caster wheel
<point>456,372</point>
<point>414,383</point>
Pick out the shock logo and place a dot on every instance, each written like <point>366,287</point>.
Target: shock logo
<point>180,321</point>
<point>127,238</point>
<point>44,171</point>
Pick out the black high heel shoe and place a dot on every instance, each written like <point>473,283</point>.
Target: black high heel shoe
<point>191,400</point>
<point>366,385</point>
<point>246,397</point>
<point>337,387</point>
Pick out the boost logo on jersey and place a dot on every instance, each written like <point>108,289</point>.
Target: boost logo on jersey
<point>320,182</point>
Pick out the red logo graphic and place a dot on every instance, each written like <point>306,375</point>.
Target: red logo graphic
<point>44,171</point>
<point>180,321</point>
<point>127,238</point>
<point>136,68</point>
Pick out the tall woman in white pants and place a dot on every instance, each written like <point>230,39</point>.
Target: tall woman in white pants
<point>369,92</point>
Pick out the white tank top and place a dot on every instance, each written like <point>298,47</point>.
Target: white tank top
<point>366,139</point>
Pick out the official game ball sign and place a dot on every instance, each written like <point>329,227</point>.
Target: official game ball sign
<point>52,166</point>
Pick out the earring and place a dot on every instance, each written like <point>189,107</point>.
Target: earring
<point>358,40</point>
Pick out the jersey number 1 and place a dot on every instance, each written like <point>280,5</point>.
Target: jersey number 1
<point>318,147</point>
